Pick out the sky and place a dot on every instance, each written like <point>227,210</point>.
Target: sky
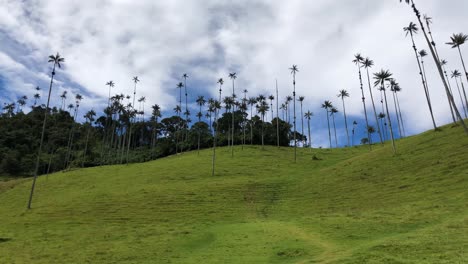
<point>260,40</point>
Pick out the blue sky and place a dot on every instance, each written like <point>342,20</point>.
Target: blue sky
<point>259,39</point>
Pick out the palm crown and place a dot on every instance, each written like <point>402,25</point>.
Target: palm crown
<point>56,59</point>
<point>411,29</point>
<point>343,93</point>
<point>457,40</point>
<point>381,77</point>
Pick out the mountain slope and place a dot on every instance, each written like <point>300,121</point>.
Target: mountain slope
<point>332,206</point>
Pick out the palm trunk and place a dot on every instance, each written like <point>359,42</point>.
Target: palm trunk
<point>42,140</point>
<point>86,147</point>
<point>346,121</point>
<point>302,122</point>
<point>214,145</point>
<point>294,120</point>
<point>401,116</point>
<point>263,123</point>
<point>464,93</point>
<point>310,139</point>
<point>396,113</point>
<point>463,63</point>
<point>461,98</point>
<point>329,132</point>
<point>186,109</point>
<point>251,125</point>
<point>389,119</point>
<point>373,107</point>
<point>450,90</point>
<point>277,116</point>
<point>439,67</point>
<point>363,99</point>
<point>426,91</point>
<point>334,128</point>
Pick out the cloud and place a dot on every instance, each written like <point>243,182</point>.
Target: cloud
<point>160,40</point>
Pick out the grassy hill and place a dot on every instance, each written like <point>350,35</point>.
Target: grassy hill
<point>332,206</point>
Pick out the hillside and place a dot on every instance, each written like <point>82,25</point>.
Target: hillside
<point>332,206</point>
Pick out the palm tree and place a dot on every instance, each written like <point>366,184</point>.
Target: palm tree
<point>370,130</point>
<point>343,94</point>
<point>411,30</point>
<point>394,84</point>
<point>78,98</point>
<point>308,115</point>
<point>354,128</point>
<point>358,60</point>
<point>294,70</point>
<point>277,115</point>
<point>271,98</point>
<point>423,53</point>
<point>135,80</point>
<point>382,121</point>
<point>262,108</point>
<point>288,115</point>
<point>443,63</point>
<point>179,86</point>
<point>37,95</point>
<point>216,106</point>
<point>328,105</point>
<point>155,115</point>
<point>368,63</point>
<point>56,60</point>
<point>457,41</point>
<point>301,100</point>
<point>380,78</point>
<point>455,75</point>
<point>64,97</point>
<point>252,101</point>
<point>333,111</point>
<point>89,116</point>
<point>201,102</point>
<point>244,114</point>
<point>220,82</point>
<point>21,102</point>
<point>186,112</point>
<point>432,47</point>
<point>233,77</point>
<point>111,85</point>
<point>396,90</point>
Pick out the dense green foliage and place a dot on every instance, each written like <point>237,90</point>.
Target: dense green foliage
<point>333,206</point>
<point>151,139</point>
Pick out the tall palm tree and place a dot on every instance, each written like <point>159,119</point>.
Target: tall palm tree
<point>277,115</point>
<point>301,101</point>
<point>328,105</point>
<point>56,60</point>
<point>179,86</point>
<point>380,78</point>
<point>432,47</point>
<point>252,101</point>
<point>308,115</point>
<point>354,129</point>
<point>201,102</point>
<point>294,70</point>
<point>382,121</point>
<point>37,96</point>
<point>368,63</point>
<point>343,94</point>
<point>396,90</point>
<point>333,111</point>
<point>244,114</point>
<point>216,106</point>
<point>358,60</point>
<point>64,97</point>
<point>271,98</point>
<point>455,75</point>
<point>411,30</point>
<point>456,41</point>
<point>186,112</point>
<point>262,108</point>
<point>443,63</point>
<point>288,115</point>
<point>135,80</point>
<point>370,130</point>
<point>89,117</point>
<point>394,84</point>
<point>155,115</point>
<point>78,98</point>
<point>220,82</point>
<point>233,77</point>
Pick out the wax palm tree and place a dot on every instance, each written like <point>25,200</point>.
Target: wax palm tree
<point>370,131</point>
<point>277,115</point>
<point>179,86</point>
<point>37,96</point>
<point>396,90</point>
<point>252,101</point>
<point>64,97</point>
<point>308,115</point>
<point>443,63</point>
<point>186,112</point>
<point>21,102</point>
<point>288,115</point>
<point>394,84</point>
<point>244,115</point>
<point>220,82</point>
<point>432,47</point>
<point>89,117</point>
<point>343,94</point>
<point>111,85</point>
<point>456,41</point>
<point>359,60</point>
<point>233,77</point>
<point>56,60</point>
<point>333,111</point>
<point>135,81</point>
<point>78,98</point>
<point>201,102</point>
<point>216,106</point>
<point>368,63</point>
<point>328,105</point>
<point>271,98</point>
<point>456,75</point>
<point>354,129</point>
<point>294,70</point>
<point>301,101</point>
<point>382,121</point>
<point>156,114</point>
<point>412,30</point>
<point>380,79</point>
<point>262,108</point>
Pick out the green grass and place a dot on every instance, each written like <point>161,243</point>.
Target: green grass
<point>349,206</point>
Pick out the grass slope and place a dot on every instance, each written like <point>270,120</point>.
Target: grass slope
<point>349,206</point>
